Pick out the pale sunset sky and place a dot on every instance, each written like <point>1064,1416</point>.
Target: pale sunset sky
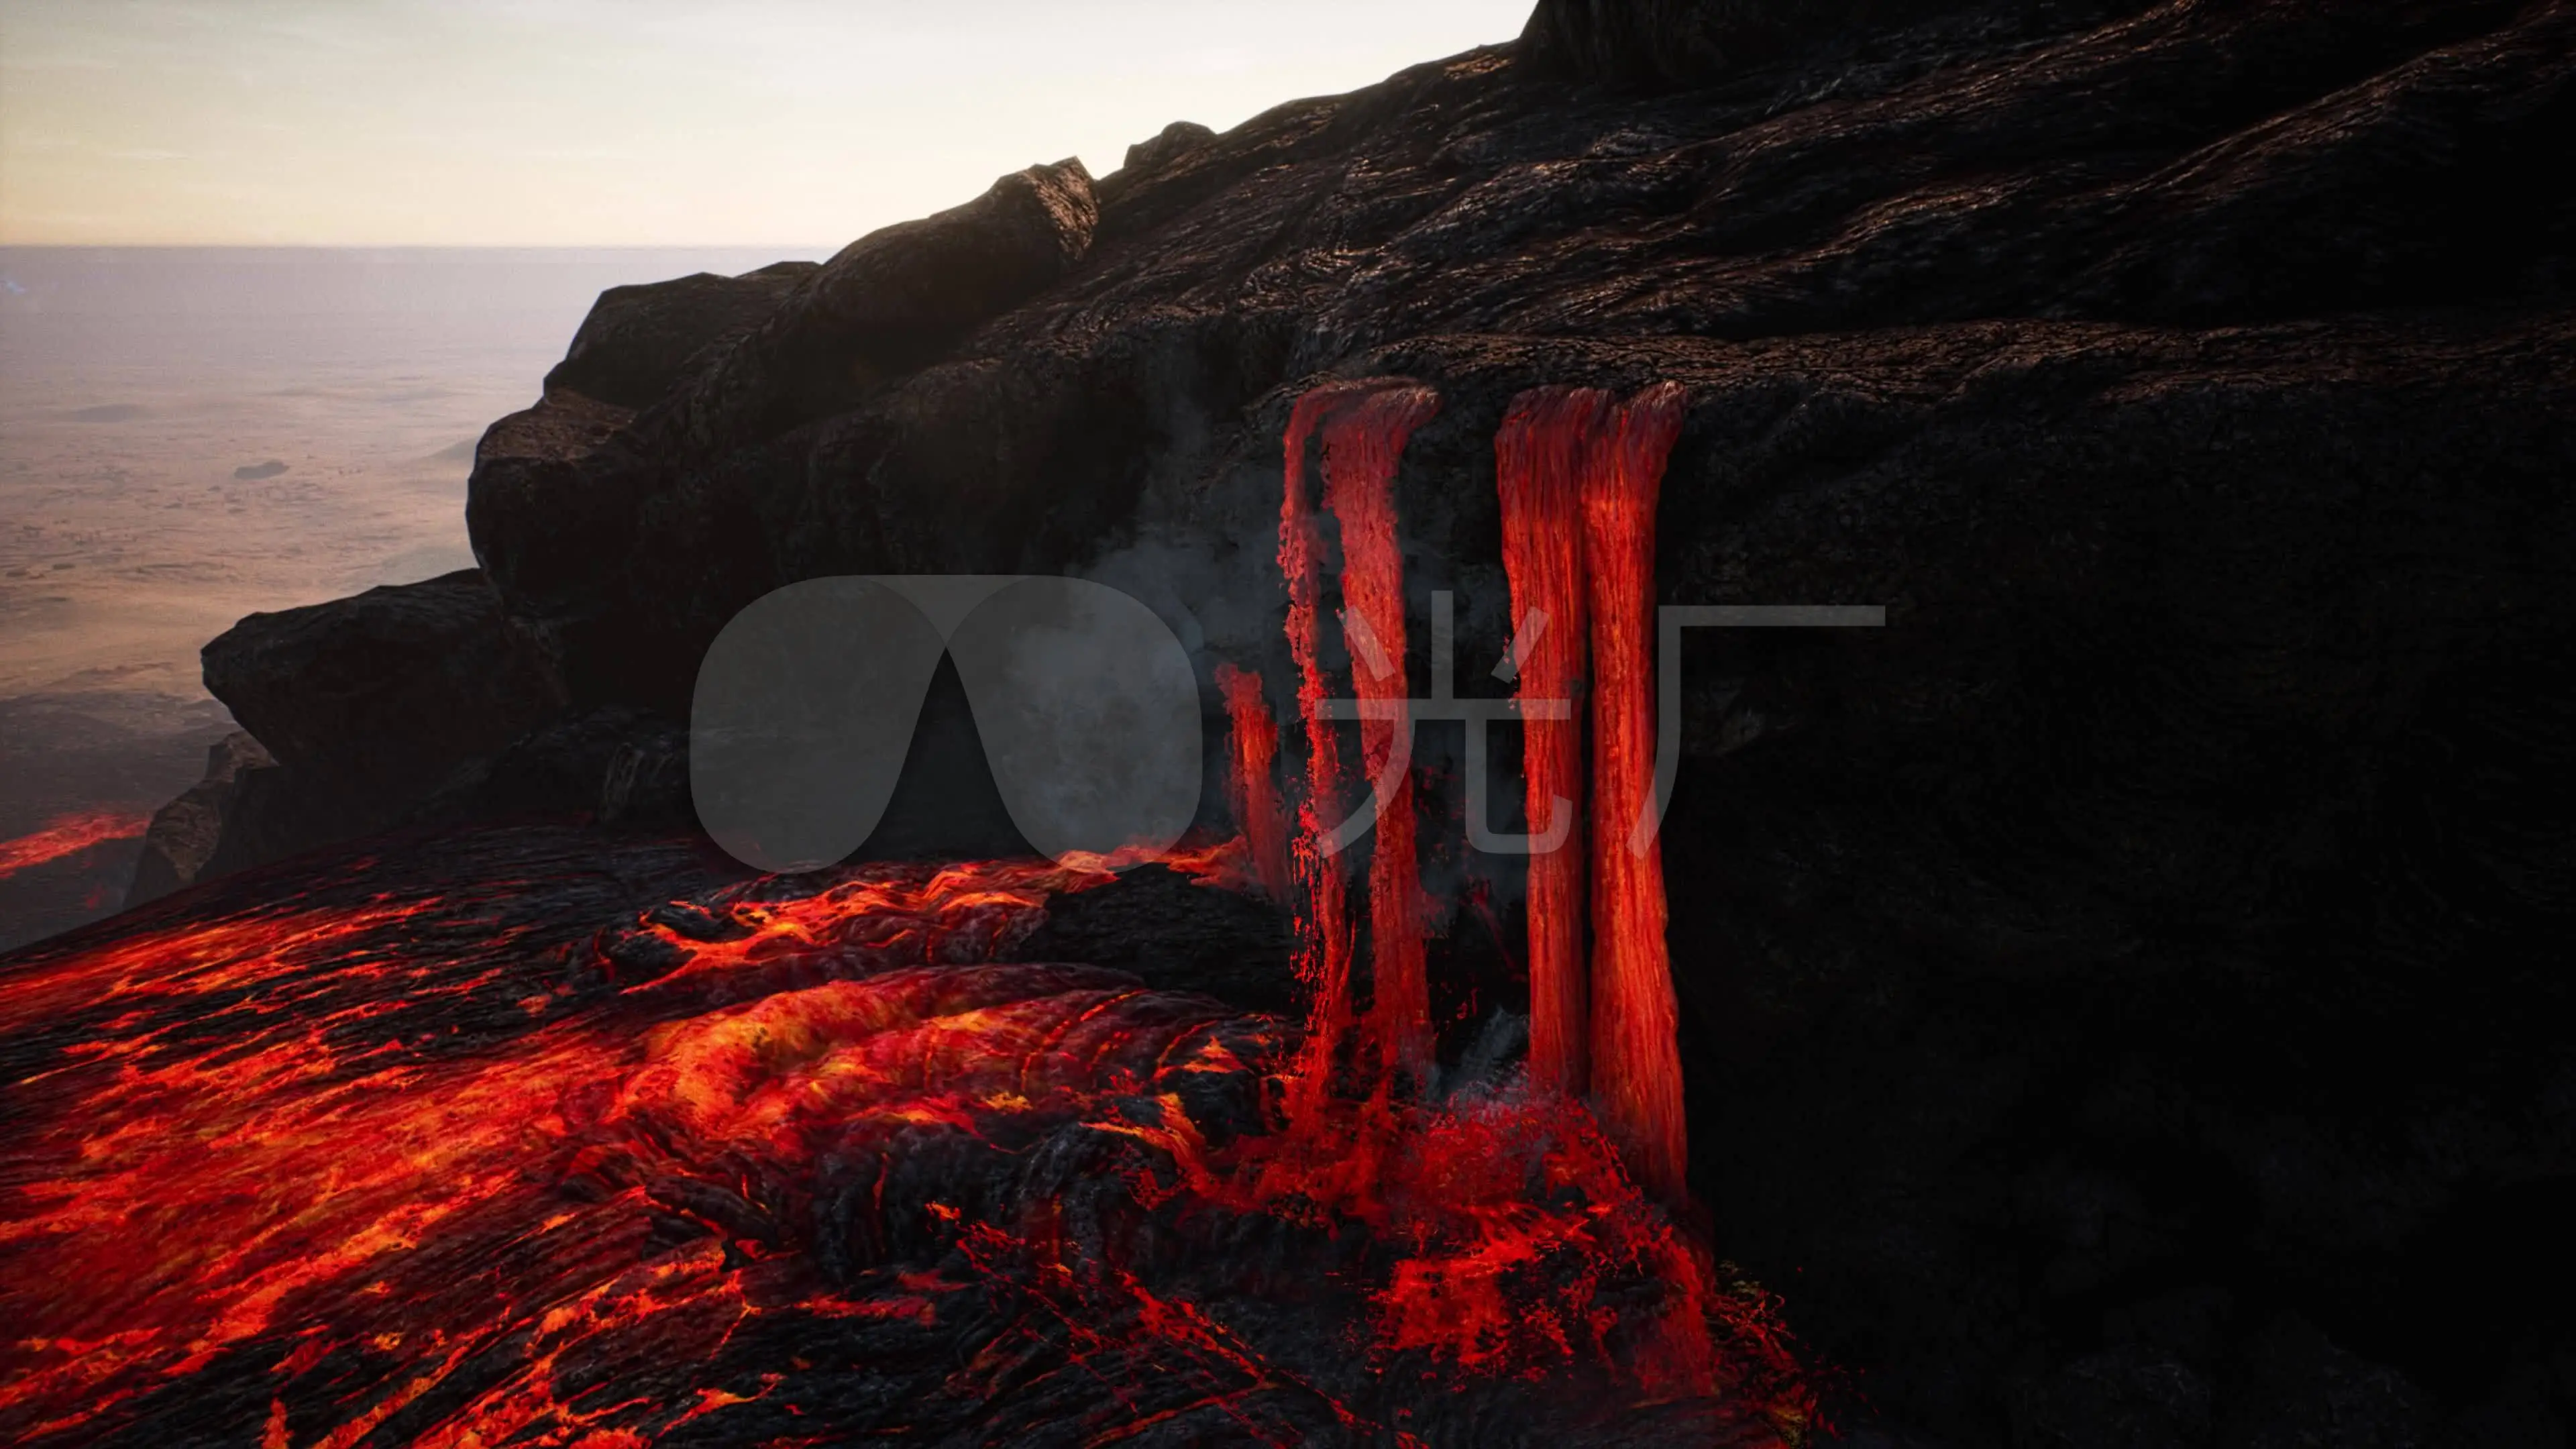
<point>626,122</point>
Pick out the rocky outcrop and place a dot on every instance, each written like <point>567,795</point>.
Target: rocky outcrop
<point>617,764</point>
<point>639,341</point>
<point>2128,920</point>
<point>185,832</point>
<point>882,308</point>
<point>367,705</point>
<point>2188,165</point>
<point>1163,927</point>
<point>889,303</point>
<point>1170,144</point>
<point>391,688</point>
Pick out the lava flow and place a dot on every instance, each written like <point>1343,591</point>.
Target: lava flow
<point>770,1161</point>
<point>1362,443</point>
<point>1636,1061</point>
<point>1579,481</point>
<point>532,1136</point>
<point>69,835</point>
<point>1324,954</point>
<point>1341,1142</point>
<point>1539,458</point>
<point>1462,1181</point>
<point>1254,790</point>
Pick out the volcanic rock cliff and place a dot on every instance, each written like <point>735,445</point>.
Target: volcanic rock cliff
<point>2124,1000</point>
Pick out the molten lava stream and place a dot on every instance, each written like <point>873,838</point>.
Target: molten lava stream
<point>1636,1057</point>
<point>69,835</point>
<point>1362,446</point>
<point>245,1148</point>
<point>1324,935</point>
<point>181,1197</point>
<point>1538,466</point>
<point>1332,1155</point>
<point>397,1170</point>
<point>1255,790</point>
<point>809,1157</point>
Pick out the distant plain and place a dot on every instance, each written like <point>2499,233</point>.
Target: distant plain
<point>188,435</point>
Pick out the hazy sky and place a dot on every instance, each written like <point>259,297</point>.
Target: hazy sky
<point>613,122</point>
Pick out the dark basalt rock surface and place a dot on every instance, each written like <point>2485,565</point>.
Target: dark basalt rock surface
<point>1173,933</point>
<point>2124,1000</point>
<point>389,688</point>
<point>558,769</point>
<point>2189,165</point>
<point>186,832</point>
<point>883,307</point>
<point>639,341</point>
<point>367,705</point>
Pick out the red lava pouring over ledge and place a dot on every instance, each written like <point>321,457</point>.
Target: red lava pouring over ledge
<point>804,1158</point>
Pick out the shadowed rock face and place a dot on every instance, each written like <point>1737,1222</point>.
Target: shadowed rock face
<point>367,704</point>
<point>639,341</point>
<point>914,406</point>
<point>186,832</point>
<point>388,687</point>
<point>882,308</point>
<point>887,304</point>
<point>2122,1000</point>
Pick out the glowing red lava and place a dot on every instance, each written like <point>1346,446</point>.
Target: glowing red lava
<point>1636,1057</point>
<point>248,1145</point>
<point>1579,482</point>
<point>1337,1145</point>
<point>427,1166</point>
<point>1510,1202</point>
<point>1362,444</point>
<point>1254,787</point>
<point>69,835</point>
<point>459,1148</point>
<point>1324,951</point>
<point>1539,463</point>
